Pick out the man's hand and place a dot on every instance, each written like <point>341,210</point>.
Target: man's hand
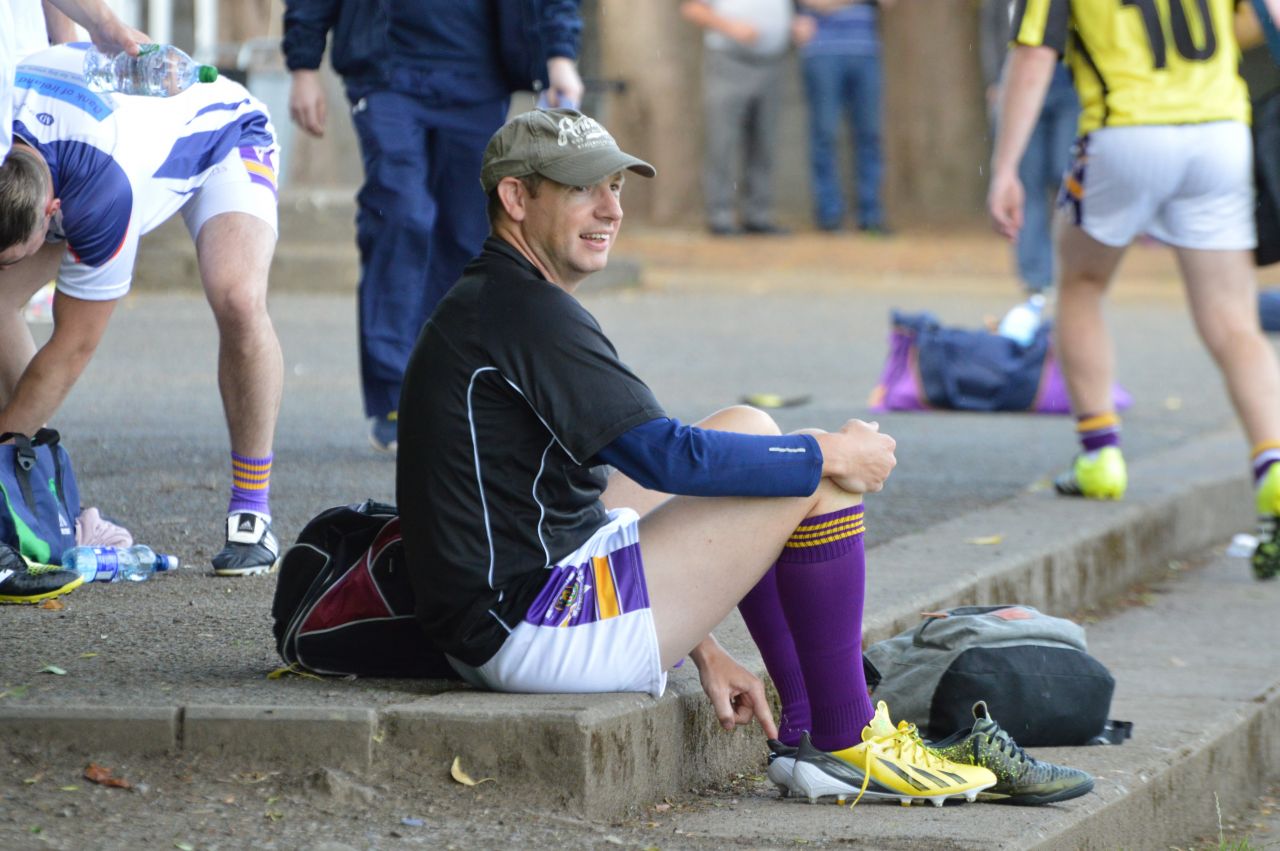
<point>105,30</point>
<point>858,458</point>
<point>741,32</point>
<point>802,29</point>
<point>1006,199</point>
<point>308,106</point>
<point>735,693</point>
<point>564,85</point>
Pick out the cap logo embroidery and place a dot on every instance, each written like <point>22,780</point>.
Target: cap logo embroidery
<point>583,133</point>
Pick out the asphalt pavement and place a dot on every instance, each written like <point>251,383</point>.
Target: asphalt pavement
<point>712,323</point>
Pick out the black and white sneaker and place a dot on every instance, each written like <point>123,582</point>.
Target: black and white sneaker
<point>782,764</point>
<point>251,547</point>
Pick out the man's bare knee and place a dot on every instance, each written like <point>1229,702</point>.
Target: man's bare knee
<point>741,418</point>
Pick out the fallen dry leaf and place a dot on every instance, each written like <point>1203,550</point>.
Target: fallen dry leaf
<point>101,775</point>
<point>54,605</point>
<point>462,777</point>
<point>987,541</point>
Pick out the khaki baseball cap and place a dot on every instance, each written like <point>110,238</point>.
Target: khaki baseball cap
<point>561,144</point>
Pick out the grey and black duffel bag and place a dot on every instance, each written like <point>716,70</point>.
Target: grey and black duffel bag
<point>1033,670</point>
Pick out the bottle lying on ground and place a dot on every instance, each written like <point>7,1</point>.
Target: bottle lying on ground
<point>112,564</point>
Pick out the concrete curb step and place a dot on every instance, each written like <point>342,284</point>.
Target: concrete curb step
<point>602,756</point>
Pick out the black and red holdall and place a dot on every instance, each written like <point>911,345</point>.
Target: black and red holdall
<point>343,603</point>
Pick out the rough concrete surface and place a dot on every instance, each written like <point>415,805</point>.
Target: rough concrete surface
<point>145,429</point>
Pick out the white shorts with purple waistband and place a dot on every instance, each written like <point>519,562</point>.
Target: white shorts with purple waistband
<point>590,630</point>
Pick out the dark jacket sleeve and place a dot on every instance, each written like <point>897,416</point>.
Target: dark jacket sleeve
<point>560,28</point>
<point>306,26</point>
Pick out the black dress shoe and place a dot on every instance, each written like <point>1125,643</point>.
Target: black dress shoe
<point>766,229</point>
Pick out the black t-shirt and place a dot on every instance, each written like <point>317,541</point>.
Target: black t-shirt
<point>510,392</point>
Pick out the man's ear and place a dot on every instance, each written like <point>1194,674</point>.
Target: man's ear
<point>513,195</point>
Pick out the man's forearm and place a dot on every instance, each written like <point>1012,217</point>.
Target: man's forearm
<point>1027,73</point>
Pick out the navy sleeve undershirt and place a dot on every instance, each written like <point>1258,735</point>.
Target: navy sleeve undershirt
<point>664,455</point>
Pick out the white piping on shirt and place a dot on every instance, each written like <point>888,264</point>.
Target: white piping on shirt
<point>475,452</point>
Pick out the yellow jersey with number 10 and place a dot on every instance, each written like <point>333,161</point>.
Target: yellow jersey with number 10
<point>1142,61</point>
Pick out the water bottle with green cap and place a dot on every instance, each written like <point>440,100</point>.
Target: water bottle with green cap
<point>159,70</point>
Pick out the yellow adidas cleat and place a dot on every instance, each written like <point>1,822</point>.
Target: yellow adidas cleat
<point>890,762</point>
<point>1266,558</point>
<point>1095,475</point>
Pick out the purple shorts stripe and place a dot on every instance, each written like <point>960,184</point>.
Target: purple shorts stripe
<point>593,590</point>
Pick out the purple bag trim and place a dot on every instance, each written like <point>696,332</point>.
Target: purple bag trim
<point>899,386</point>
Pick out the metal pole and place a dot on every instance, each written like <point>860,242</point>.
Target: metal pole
<point>160,21</point>
<point>206,31</point>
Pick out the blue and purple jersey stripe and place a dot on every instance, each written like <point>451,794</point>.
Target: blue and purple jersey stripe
<point>594,590</point>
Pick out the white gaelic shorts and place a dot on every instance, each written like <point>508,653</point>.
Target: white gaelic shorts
<point>244,182</point>
<point>1188,185</point>
<point>590,630</point>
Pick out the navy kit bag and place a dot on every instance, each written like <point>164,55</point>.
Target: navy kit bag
<point>40,494</point>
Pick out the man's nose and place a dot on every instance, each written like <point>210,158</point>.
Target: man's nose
<point>610,206</point>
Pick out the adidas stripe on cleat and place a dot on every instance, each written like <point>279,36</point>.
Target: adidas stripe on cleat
<point>1020,777</point>
<point>1095,475</point>
<point>890,762</point>
<point>782,762</point>
<point>251,546</point>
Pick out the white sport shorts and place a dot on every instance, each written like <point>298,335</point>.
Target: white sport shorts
<point>244,182</point>
<point>590,630</point>
<point>1188,185</point>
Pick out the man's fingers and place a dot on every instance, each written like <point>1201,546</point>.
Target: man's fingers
<point>724,709</point>
<point>760,707</point>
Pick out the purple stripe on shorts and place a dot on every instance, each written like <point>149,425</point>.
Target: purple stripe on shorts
<point>572,596</point>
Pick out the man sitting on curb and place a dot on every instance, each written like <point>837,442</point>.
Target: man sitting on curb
<point>535,573</point>
<point>91,172</point>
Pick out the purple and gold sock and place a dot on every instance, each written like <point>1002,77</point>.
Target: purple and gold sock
<point>1264,455</point>
<point>762,611</point>
<point>250,484</point>
<point>822,583</point>
<point>1096,431</point>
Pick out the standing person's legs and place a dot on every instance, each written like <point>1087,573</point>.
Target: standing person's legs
<point>397,216</point>
<point>822,76</point>
<point>234,252</point>
<point>455,148</point>
<point>1034,247</point>
<point>1223,295</point>
<point>1084,344</point>
<point>867,111</point>
<point>760,140</point>
<point>725,109</point>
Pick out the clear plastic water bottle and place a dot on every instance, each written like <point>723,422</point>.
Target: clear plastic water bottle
<point>1021,323</point>
<point>159,70</point>
<point>112,564</point>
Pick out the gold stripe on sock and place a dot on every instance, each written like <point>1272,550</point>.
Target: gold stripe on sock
<point>1265,445</point>
<point>819,533</point>
<point>808,527</point>
<point>792,543</point>
<point>1095,423</point>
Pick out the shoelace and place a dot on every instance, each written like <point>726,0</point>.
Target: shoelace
<point>905,744</point>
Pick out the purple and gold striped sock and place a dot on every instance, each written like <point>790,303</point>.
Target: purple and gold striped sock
<point>250,484</point>
<point>822,579</point>
<point>1096,431</point>
<point>1264,455</point>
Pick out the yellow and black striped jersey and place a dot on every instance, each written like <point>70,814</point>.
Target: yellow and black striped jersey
<point>1142,61</point>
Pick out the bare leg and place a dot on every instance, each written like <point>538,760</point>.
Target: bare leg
<point>17,284</point>
<point>1083,343</point>
<point>702,555</point>
<point>1223,295</point>
<point>234,251</point>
